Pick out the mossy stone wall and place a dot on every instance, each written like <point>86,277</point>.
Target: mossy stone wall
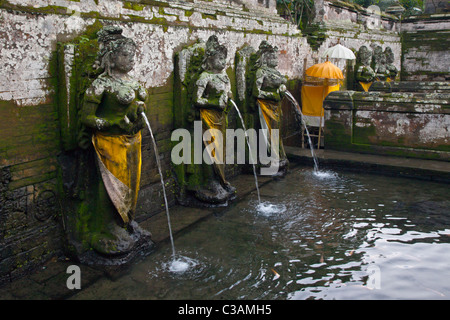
<point>401,124</point>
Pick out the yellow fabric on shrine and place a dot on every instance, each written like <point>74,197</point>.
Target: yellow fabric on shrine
<point>365,85</point>
<point>312,99</point>
<point>120,161</point>
<point>214,119</point>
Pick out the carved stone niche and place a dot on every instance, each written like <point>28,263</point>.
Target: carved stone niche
<point>373,21</point>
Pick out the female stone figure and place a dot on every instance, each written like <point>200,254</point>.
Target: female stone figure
<point>364,74</point>
<point>379,64</point>
<point>211,95</point>
<point>112,112</point>
<point>268,90</point>
<point>390,67</point>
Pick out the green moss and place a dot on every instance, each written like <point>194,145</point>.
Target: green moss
<point>133,6</point>
<point>209,16</point>
<point>83,73</point>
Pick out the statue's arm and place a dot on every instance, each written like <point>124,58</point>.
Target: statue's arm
<point>92,99</point>
<point>202,101</point>
<point>259,92</point>
<point>200,87</point>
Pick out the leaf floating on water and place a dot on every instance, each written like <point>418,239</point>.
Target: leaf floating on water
<point>436,292</point>
<point>277,275</point>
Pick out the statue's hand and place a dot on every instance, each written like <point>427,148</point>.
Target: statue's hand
<point>282,88</point>
<point>140,107</point>
<point>126,125</point>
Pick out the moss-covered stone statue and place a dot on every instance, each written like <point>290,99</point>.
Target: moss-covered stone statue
<point>205,102</point>
<point>390,67</point>
<point>364,74</point>
<point>110,115</point>
<point>268,90</point>
<point>379,64</point>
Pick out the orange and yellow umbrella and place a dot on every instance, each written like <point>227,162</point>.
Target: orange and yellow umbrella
<point>325,70</point>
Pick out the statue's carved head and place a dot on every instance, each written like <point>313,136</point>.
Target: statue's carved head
<point>215,55</point>
<point>377,54</point>
<point>364,55</point>
<point>116,51</point>
<point>267,55</point>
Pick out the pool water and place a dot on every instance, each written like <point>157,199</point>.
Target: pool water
<point>331,235</point>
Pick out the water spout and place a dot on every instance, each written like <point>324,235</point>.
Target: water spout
<point>299,111</point>
<point>155,148</point>
<point>249,149</point>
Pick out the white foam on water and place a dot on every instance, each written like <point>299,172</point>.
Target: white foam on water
<point>325,174</point>
<point>267,208</point>
<point>180,264</point>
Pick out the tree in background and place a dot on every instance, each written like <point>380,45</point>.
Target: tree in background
<point>299,12</point>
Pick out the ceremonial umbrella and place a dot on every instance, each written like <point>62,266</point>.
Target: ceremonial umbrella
<point>339,52</point>
<point>325,70</point>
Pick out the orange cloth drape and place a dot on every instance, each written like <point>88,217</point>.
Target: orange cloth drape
<point>312,99</point>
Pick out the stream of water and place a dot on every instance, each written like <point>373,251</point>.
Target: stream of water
<point>299,112</point>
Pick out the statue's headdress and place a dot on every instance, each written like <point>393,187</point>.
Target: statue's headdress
<point>110,38</point>
<point>363,54</point>
<point>213,47</point>
<point>264,48</point>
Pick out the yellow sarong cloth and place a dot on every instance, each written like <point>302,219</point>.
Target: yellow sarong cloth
<point>365,85</point>
<point>271,118</point>
<point>215,119</point>
<point>312,99</point>
<point>269,110</point>
<point>119,159</point>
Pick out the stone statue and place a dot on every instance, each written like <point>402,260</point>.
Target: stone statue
<point>364,74</point>
<point>111,113</point>
<point>268,90</point>
<point>379,64</point>
<point>211,94</point>
<point>201,103</point>
<point>391,68</point>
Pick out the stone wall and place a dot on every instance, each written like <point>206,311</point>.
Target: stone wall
<point>425,43</point>
<point>399,123</point>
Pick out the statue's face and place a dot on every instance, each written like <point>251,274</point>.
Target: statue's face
<point>365,55</point>
<point>271,59</point>
<point>377,53</point>
<point>123,58</point>
<point>218,61</point>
